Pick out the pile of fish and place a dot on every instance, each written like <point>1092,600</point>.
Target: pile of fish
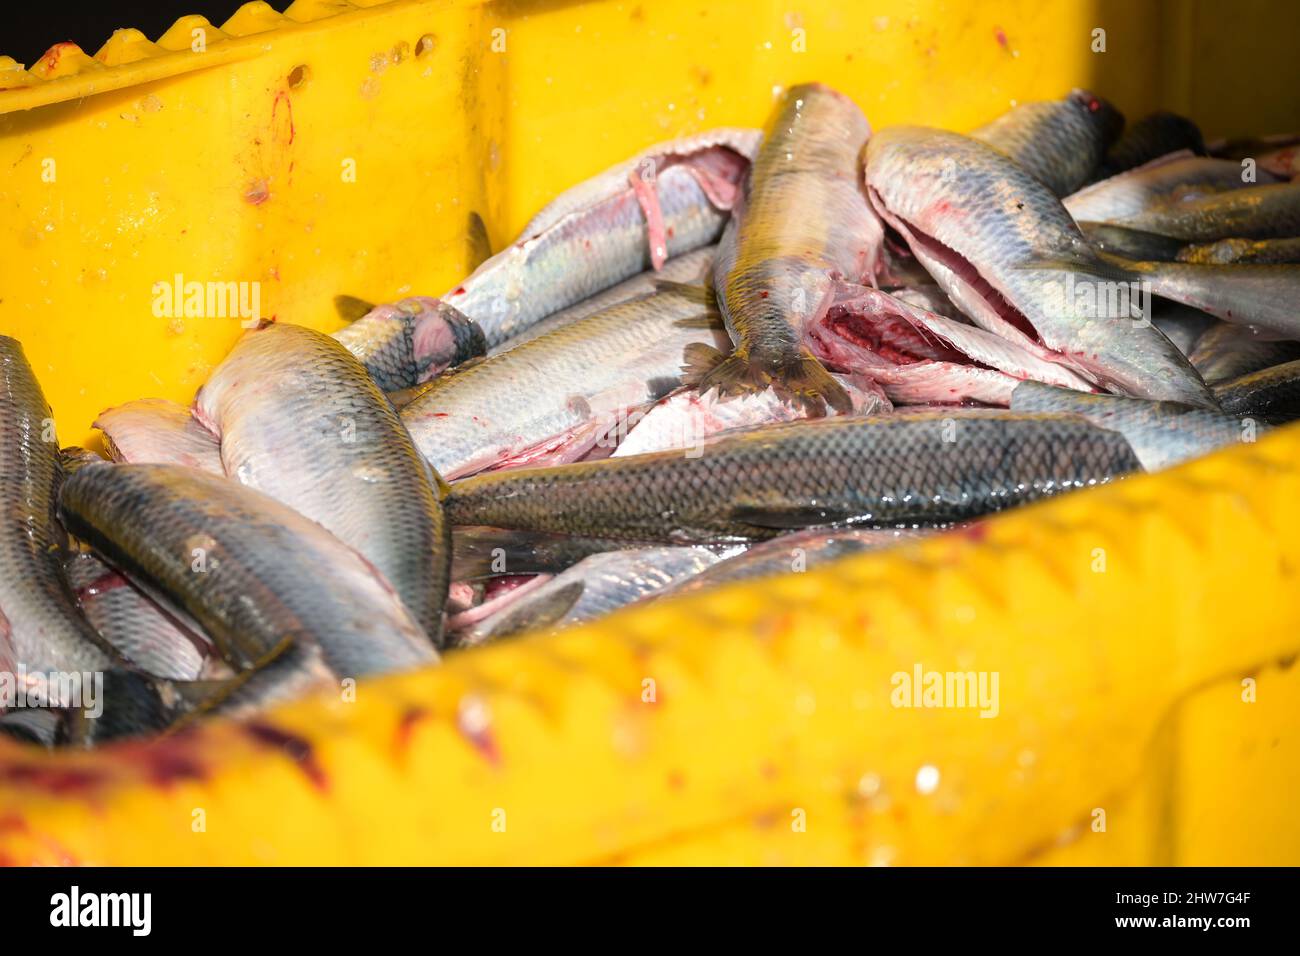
<point>738,354</point>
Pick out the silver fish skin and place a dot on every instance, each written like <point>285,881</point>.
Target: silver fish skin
<point>793,553</point>
<point>803,224</point>
<point>668,200</point>
<point>555,397</point>
<point>1131,243</point>
<point>1161,434</point>
<point>1270,394</point>
<point>158,431</point>
<point>927,468</point>
<point>142,632</point>
<point>1256,295</point>
<point>1178,177</point>
<point>1226,351</point>
<point>1262,212</point>
<point>41,627</point>
<point>1058,142</point>
<point>253,573</point>
<point>1182,325</point>
<point>302,421</point>
<point>1155,135</point>
<point>405,343</point>
<point>594,587</point>
<point>1011,257</point>
<point>685,418</point>
<point>692,268</point>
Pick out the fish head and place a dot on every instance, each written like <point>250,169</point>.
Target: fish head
<point>1100,114</point>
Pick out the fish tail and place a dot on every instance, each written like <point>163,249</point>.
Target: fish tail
<point>803,380</point>
<point>733,374</point>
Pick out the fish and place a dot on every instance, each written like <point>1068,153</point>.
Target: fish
<point>1176,178</point>
<point>250,572</point>
<point>803,224</point>
<point>141,631</point>
<point>1284,162</point>
<point>1250,147</point>
<point>1269,211</point>
<point>1242,251</point>
<point>594,587</point>
<point>481,552</point>
<point>921,357</point>
<point>1058,142</point>
<point>159,431</point>
<point>1161,434</point>
<point>404,343</point>
<point>560,395</point>
<point>1271,395</point>
<point>301,420</point>
<point>926,468</point>
<point>692,268</point>
<point>1181,324</point>
<point>1155,135</point>
<point>1131,243</point>
<point>668,200</point>
<point>792,553</point>
<point>1226,351</point>
<point>685,417</point>
<point>41,627</point>
<point>1013,260</point>
<point>1256,295</point>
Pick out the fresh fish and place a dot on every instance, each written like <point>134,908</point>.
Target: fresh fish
<point>686,417</point>
<point>1261,212</point>
<point>666,201</point>
<point>1161,434</point>
<point>301,420</point>
<point>560,395</point>
<point>920,357</point>
<point>409,342</point>
<point>924,468</point>
<point>595,586</point>
<point>1181,324</point>
<point>254,575</point>
<point>1151,137</point>
<point>803,224</point>
<point>1058,142</point>
<point>156,430</point>
<point>1173,179</point>
<point>1271,394</point>
<point>140,630</point>
<point>1242,251</point>
<point>793,553</point>
<point>1010,256</point>
<point>1258,295</point>
<point>1131,243</point>
<point>41,627</point>
<point>689,269</point>
<point>1227,351</point>
<point>479,553</point>
<point>1251,147</point>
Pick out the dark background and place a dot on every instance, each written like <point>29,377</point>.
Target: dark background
<point>30,27</point>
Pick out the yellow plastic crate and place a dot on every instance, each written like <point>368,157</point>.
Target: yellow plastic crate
<point>342,150</point>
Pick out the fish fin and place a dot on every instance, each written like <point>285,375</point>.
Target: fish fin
<point>803,381</point>
<point>707,368</point>
<point>695,293</point>
<point>480,246</point>
<point>350,308</point>
<point>781,517</point>
<point>705,320</point>
<point>539,613</point>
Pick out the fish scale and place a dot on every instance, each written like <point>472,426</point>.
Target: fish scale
<point>247,569</point>
<point>301,420</point>
<point>901,469</point>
